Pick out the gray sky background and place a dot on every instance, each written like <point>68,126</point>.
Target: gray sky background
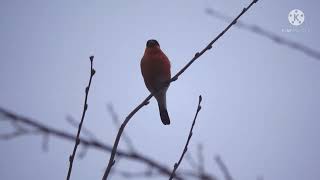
<point>260,100</point>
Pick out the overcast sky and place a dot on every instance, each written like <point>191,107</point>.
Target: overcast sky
<point>260,99</point>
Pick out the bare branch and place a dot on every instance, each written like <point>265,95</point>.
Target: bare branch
<point>19,131</point>
<point>12,135</point>
<point>83,151</point>
<point>223,168</point>
<point>191,161</point>
<point>174,78</point>
<point>146,173</point>
<point>196,175</point>
<point>45,142</point>
<point>40,129</point>
<point>85,107</point>
<point>200,159</point>
<point>176,165</point>
<point>268,34</point>
<point>84,130</point>
<point>123,125</point>
<point>117,122</point>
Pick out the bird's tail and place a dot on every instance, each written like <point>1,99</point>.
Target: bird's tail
<point>164,116</point>
<point>161,98</point>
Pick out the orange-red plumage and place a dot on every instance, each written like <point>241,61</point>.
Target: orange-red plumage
<point>155,68</point>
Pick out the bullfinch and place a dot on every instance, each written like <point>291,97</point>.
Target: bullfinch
<point>155,69</point>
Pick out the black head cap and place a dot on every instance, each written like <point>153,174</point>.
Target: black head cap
<point>152,43</point>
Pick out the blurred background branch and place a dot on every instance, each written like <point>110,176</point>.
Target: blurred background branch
<point>223,168</point>
<point>117,123</point>
<point>24,126</point>
<point>267,34</point>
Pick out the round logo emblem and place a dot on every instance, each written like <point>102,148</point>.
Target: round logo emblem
<point>296,17</point>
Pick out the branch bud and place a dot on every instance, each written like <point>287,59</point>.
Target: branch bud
<point>234,21</point>
<point>93,72</point>
<point>175,165</point>
<point>244,9</point>
<point>91,58</point>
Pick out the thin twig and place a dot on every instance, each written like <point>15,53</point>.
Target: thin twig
<point>116,142</point>
<point>268,34</point>
<point>196,175</point>
<point>223,168</point>
<point>45,142</point>
<point>191,161</point>
<point>176,165</point>
<point>200,159</point>
<point>84,130</point>
<point>148,173</point>
<point>15,134</point>
<point>85,107</point>
<point>117,123</point>
<point>174,78</point>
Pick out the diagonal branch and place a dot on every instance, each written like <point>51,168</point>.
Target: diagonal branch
<point>123,125</point>
<point>42,129</point>
<point>174,78</point>
<point>117,123</point>
<point>84,130</point>
<point>85,107</point>
<point>270,35</point>
<point>223,168</point>
<point>176,165</point>
<point>15,134</point>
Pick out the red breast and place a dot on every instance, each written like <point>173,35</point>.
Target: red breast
<point>155,68</point>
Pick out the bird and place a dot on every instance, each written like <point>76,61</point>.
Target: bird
<point>155,69</point>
